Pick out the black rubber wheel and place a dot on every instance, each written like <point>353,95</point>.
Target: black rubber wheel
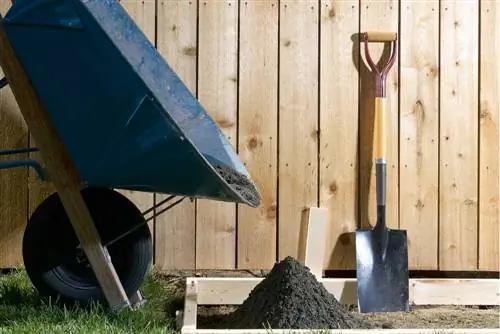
<point>56,265</point>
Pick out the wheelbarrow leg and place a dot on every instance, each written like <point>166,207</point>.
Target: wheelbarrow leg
<point>137,300</point>
<point>62,173</point>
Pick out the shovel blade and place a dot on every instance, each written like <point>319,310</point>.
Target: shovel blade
<point>382,272</point>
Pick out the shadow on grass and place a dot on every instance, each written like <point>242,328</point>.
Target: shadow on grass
<point>22,309</point>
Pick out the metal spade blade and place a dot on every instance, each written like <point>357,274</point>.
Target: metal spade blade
<point>382,270</point>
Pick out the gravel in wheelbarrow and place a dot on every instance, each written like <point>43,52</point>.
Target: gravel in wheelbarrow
<point>240,183</point>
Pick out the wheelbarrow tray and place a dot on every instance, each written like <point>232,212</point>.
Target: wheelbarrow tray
<point>125,117</point>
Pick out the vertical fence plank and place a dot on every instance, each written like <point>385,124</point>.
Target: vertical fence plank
<point>489,212</point>
<point>378,15</point>
<point>419,130</point>
<point>217,91</point>
<point>258,127</point>
<point>175,236</point>
<point>298,118</point>
<point>458,136</point>
<point>339,129</point>
<point>13,186</point>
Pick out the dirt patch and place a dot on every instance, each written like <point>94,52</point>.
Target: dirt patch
<point>440,317</point>
<point>211,317</point>
<point>290,297</point>
<point>240,183</point>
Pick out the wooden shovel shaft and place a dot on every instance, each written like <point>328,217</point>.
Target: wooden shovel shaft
<point>380,138</point>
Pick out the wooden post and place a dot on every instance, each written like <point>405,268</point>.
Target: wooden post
<point>62,173</point>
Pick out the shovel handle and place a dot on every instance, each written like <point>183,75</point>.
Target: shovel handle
<point>380,139</point>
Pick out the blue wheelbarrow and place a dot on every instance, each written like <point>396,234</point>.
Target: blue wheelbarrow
<point>128,122</point>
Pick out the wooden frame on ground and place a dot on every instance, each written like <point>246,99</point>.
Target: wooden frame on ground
<point>234,290</point>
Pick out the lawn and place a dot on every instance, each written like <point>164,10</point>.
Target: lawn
<point>23,311</point>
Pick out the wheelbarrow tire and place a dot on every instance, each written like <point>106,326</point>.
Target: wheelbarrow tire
<point>50,247</point>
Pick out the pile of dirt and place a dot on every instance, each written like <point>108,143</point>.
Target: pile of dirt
<point>240,183</point>
<point>290,297</point>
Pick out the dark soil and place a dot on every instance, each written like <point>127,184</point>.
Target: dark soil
<point>240,183</point>
<point>436,316</point>
<point>290,297</point>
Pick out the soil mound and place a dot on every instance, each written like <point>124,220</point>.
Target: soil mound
<point>290,297</point>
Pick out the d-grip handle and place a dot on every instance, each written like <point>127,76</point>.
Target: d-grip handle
<point>380,74</point>
<point>380,36</point>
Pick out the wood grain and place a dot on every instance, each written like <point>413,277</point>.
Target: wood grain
<point>175,242</point>
<point>298,118</point>
<point>419,131</point>
<point>13,186</point>
<point>489,138</point>
<point>448,158</point>
<point>258,130</point>
<point>339,129</point>
<point>378,15</point>
<point>458,234</point>
<point>217,91</point>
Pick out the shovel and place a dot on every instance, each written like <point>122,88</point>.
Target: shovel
<point>381,253</point>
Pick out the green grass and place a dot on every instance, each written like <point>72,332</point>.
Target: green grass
<point>23,311</point>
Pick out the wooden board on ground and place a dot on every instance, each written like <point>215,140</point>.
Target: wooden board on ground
<point>298,118</point>
<point>419,131</point>
<point>217,92</point>
<point>234,291</point>
<point>458,206</point>
<point>338,133</point>
<point>380,15</point>
<point>13,186</point>
<point>489,165</point>
<point>257,135</point>
<point>175,230</point>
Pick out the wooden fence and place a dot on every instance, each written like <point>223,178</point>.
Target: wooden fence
<point>285,82</point>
